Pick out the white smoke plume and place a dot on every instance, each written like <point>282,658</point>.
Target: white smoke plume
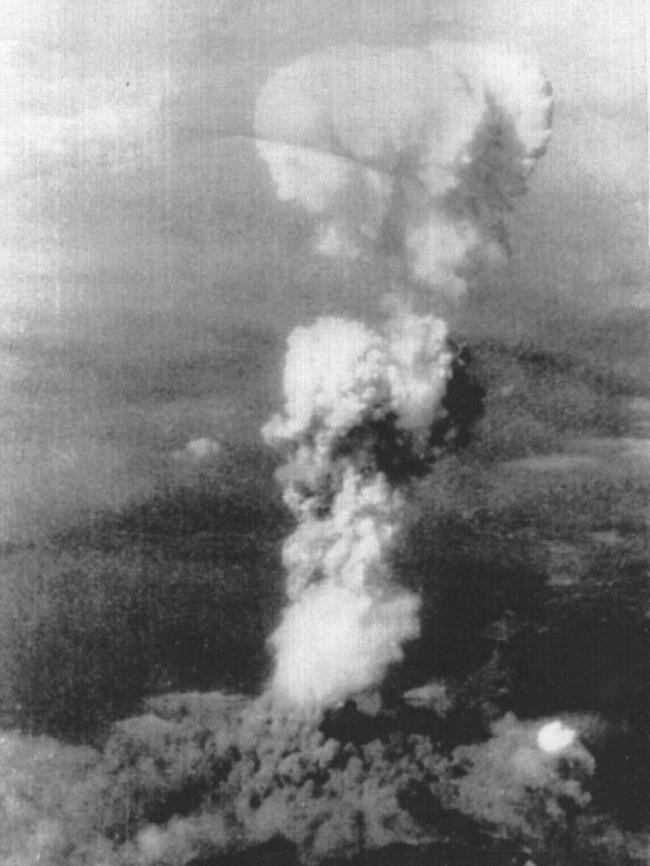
<point>412,152</point>
<point>410,155</point>
<point>347,621</point>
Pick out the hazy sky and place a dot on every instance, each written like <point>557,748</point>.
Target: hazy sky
<point>137,218</point>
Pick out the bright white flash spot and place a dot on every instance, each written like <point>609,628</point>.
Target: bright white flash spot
<point>555,737</point>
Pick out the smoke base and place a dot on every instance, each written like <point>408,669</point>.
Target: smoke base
<point>204,776</point>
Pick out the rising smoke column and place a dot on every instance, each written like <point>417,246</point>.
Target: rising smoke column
<point>356,399</point>
<point>412,156</point>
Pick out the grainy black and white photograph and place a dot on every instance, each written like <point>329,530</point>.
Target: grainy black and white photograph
<point>325,433</point>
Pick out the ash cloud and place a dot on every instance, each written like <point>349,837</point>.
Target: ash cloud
<point>410,157</point>
<point>413,153</point>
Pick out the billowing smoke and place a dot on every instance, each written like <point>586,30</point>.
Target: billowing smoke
<point>414,153</point>
<point>410,156</point>
<point>213,779</point>
<point>347,388</point>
